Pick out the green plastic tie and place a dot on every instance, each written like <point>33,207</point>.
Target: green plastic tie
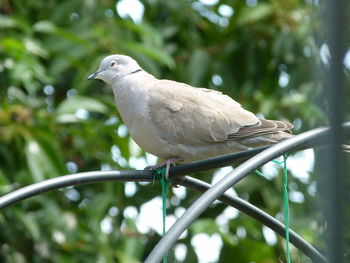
<point>278,162</point>
<point>286,204</point>
<point>259,173</point>
<point>285,200</point>
<point>165,184</point>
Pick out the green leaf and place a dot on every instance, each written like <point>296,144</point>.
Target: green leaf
<point>207,226</point>
<point>35,47</point>
<point>150,51</point>
<point>6,22</point>
<point>66,110</point>
<point>125,258</point>
<point>198,67</point>
<point>30,223</point>
<point>50,28</point>
<point>132,247</point>
<point>45,27</point>
<point>150,35</point>
<point>17,94</point>
<point>250,15</point>
<point>12,45</point>
<point>41,161</point>
<point>5,185</point>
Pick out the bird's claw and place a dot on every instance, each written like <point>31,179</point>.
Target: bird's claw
<point>167,164</point>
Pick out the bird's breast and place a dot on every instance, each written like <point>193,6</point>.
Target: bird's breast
<point>134,111</point>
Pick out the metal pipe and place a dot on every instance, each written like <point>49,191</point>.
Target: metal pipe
<point>104,176</point>
<point>70,180</point>
<point>333,181</point>
<point>258,215</point>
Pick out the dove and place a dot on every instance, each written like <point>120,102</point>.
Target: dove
<point>180,123</point>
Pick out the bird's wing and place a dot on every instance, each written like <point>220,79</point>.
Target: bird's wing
<point>194,116</point>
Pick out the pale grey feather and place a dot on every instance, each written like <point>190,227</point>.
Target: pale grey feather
<point>173,119</point>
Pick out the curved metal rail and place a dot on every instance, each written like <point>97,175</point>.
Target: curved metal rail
<point>122,176</point>
<point>259,216</point>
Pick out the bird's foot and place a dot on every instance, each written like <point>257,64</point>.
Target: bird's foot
<point>166,164</point>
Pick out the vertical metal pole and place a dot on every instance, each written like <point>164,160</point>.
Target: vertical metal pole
<point>335,172</point>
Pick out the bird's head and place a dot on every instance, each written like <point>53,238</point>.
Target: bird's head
<point>115,67</point>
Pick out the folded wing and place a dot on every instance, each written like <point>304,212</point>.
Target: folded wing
<point>197,116</point>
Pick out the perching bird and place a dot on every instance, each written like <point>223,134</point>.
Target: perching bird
<point>181,123</point>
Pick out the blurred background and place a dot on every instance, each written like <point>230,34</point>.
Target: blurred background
<point>268,55</point>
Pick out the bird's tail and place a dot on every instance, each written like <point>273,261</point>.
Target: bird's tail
<point>269,132</point>
<point>274,130</point>
<point>266,132</point>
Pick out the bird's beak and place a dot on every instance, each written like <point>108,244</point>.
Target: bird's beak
<point>94,75</point>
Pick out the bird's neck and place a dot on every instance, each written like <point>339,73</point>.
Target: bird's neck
<point>117,78</point>
<point>135,80</point>
<point>131,95</point>
<point>131,88</point>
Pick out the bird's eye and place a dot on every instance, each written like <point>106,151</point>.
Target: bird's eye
<point>113,63</point>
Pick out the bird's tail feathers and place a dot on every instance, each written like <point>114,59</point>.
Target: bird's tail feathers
<point>265,128</point>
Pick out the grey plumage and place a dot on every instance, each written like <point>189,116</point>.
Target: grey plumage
<point>172,119</point>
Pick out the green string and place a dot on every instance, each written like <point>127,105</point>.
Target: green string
<point>285,200</point>
<point>165,184</point>
<point>286,204</point>
<point>259,173</point>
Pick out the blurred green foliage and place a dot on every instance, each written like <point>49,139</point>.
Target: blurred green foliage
<point>265,54</point>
